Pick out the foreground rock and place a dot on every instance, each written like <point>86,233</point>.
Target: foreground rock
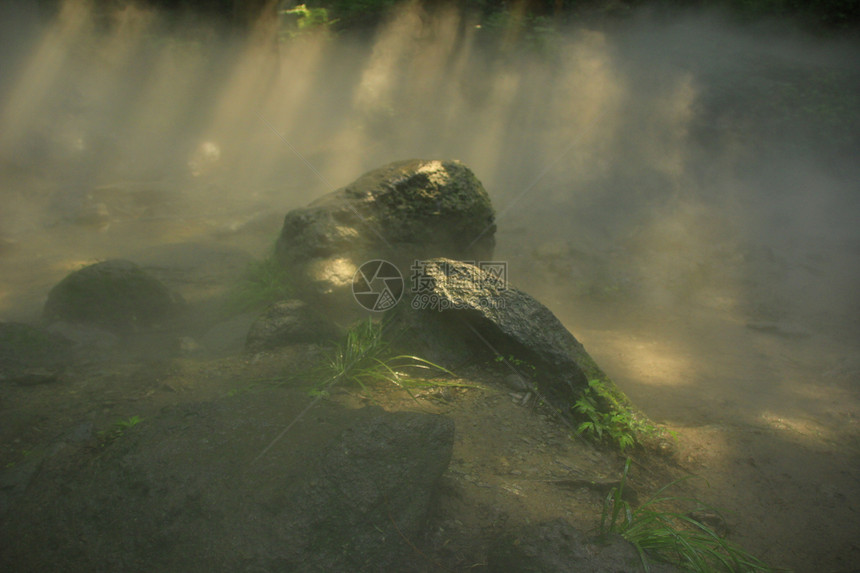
<point>189,491</point>
<point>463,313</point>
<point>115,294</point>
<point>372,491</point>
<point>403,211</point>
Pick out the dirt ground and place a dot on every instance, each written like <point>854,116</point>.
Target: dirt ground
<point>765,416</point>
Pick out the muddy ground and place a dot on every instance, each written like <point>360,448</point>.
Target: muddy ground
<point>765,415</point>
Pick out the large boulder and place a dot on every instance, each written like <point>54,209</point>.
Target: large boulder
<point>114,294</point>
<point>463,313</point>
<point>406,210</point>
<point>202,487</point>
<point>372,491</point>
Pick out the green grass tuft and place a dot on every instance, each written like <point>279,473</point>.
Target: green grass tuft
<point>363,358</point>
<point>670,536</point>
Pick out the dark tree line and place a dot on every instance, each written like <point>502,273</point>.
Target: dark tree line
<point>359,14</point>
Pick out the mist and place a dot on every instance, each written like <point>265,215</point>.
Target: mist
<point>661,161</point>
<point>680,189</point>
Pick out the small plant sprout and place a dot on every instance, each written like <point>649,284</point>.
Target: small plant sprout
<point>118,429</point>
<point>128,423</point>
<point>602,422</point>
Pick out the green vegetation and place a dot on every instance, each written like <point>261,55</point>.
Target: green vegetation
<point>123,425</point>
<point>604,419</point>
<point>264,282</point>
<point>118,429</point>
<point>357,13</point>
<point>671,536</point>
<point>24,454</point>
<point>528,368</point>
<point>534,22</point>
<point>604,414</point>
<point>363,358</point>
<point>303,21</point>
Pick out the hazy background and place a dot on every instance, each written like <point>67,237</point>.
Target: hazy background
<point>680,188</point>
<point>658,164</point>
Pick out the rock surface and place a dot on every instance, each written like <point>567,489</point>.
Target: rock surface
<point>288,322</point>
<point>189,491</point>
<point>372,490</point>
<point>406,210</point>
<point>116,294</point>
<point>464,313</point>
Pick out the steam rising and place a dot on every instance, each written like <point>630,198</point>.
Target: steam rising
<point>662,163</point>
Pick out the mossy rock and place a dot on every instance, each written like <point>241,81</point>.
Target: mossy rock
<point>421,202</point>
<point>466,314</point>
<point>114,294</point>
<point>401,212</point>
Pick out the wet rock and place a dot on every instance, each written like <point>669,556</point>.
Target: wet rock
<point>403,211</point>
<point>16,478</point>
<point>372,490</point>
<point>30,355</point>
<point>115,294</point>
<point>288,322</point>
<point>184,491</point>
<point>558,547</point>
<point>465,313</point>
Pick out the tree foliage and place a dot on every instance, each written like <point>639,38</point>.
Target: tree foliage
<point>364,14</point>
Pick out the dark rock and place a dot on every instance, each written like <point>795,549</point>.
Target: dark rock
<point>372,491</point>
<point>114,294</point>
<point>406,210</point>
<point>16,478</point>
<point>30,355</point>
<point>558,547</point>
<point>288,322</point>
<point>188,491</point>
<point>464,313</point>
